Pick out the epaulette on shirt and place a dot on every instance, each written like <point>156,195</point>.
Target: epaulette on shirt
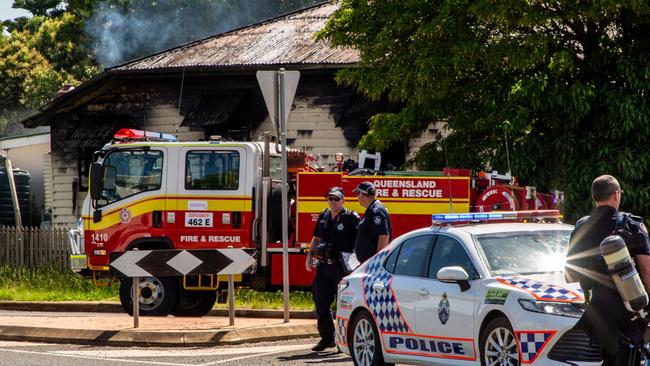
<point>581,221</point>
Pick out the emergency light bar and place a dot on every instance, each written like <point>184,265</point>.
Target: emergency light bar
<point>494,216</point>
<point>131,134</point>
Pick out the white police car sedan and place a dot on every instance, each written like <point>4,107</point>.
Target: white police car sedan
<point>470,294</point>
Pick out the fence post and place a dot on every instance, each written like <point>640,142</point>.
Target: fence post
<point>3,245</point>
<point>12,246</point>
<point>21,245</point>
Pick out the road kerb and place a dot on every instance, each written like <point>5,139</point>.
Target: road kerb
<point>160,338</point>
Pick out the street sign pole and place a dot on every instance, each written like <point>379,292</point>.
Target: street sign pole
<point>279,88</point>
<point>136,302</point>
<point>231,299</point>
<point>285,209</point>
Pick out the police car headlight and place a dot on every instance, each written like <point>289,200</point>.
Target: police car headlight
<point>554,308</point>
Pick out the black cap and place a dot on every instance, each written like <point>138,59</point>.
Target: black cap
<point>335,192</point>
<point>366,188</point>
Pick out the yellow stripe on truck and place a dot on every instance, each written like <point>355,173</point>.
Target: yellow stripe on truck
<point>398,208</point>
<point>162,203</point>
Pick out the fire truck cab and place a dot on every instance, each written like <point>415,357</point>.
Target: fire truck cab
<point>162,194</point>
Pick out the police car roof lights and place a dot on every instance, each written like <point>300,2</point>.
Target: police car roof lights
<point>449,218</point>
<point>131,135</point>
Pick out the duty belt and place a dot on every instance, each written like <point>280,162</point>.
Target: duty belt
<point>329,261</point>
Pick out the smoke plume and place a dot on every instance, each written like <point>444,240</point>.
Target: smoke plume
<point>142,27</point>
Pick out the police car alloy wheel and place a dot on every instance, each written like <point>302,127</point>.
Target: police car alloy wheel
<point>366,346</point>
<point>157,295</point>
<point>498,344</point>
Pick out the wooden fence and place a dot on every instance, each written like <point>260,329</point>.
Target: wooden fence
<point>33,247</point>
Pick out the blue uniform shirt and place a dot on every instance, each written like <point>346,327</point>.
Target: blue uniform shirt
<point>341,231</point>
<point>375,222</point>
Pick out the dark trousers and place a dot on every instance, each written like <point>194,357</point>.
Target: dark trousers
<point>625,356</point>
<point>324,290</point>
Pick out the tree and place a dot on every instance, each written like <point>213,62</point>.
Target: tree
<point>563,85</point>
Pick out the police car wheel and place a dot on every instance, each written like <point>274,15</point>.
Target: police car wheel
<point>498,344</point>
<point>365,346</point>
<point>157,295</point>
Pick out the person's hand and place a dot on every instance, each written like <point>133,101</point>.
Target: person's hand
<point>308,266</point>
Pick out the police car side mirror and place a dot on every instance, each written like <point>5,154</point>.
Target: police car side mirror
<point>454,274</point>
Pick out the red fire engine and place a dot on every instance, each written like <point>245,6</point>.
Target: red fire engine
<point>149,192</point>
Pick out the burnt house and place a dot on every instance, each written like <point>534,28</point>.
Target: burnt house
<point>209,87</point>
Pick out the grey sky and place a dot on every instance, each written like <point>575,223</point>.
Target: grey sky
<point>7,12</point>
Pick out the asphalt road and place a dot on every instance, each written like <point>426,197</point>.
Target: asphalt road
<point>276,353</point>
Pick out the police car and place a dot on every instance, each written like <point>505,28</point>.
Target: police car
<point>469,293</point>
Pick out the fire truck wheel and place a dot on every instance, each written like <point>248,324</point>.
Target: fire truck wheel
<point>157,295</point>
<point>194,303</point>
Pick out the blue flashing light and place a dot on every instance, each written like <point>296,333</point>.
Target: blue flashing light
<point>476,216</point>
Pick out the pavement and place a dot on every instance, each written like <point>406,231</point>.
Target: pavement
<point>104,323</point>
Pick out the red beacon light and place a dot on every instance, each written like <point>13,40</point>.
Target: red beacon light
<point>530,215</point>
<point>129,134</point>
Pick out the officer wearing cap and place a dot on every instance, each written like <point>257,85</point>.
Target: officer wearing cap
<point>375,230</point>
<point>334,233</point>
<point>606,318</point>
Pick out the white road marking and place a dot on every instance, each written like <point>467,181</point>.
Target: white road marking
<point>95,358</point>
<point>117,355</point>
<point>190,352</point>
<point>22,344</point>
<point>251,356</point>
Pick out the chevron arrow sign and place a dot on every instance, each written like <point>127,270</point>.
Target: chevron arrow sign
<point>174,262</point>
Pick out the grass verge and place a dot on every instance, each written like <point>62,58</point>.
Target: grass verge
<point>48,284</point>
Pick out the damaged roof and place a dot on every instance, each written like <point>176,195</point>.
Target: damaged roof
<point>286,40</point>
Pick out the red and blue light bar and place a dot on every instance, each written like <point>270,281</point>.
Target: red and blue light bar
<point>494,216</point>
<point>131,134</point>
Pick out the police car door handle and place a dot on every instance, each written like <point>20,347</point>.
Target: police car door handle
<point>423,292</point>
<point>378,286</point>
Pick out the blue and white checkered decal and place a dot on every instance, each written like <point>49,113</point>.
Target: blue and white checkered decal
<point>532,343</point>
<point>382,303</point>
<point>542,291</point>
<point>341,331</point>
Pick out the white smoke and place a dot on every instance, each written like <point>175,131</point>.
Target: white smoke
<point>144,27</point>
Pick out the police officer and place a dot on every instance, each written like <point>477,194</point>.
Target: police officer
<point>375,230</point>
<point>334,233</point>
<point>606,317</point>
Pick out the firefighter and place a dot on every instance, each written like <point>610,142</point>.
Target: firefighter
<point>606,319</point>
<point>334,233</point>
<point>375,230</point>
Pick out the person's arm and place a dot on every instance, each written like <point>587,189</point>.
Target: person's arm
<point>382,242</point>
<point>643,263</point>
<point>312,250</point>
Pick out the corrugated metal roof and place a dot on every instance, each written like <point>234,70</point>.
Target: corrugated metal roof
<point>281,41</point>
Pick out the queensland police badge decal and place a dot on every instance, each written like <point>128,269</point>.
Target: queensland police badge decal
<point>443,309</point>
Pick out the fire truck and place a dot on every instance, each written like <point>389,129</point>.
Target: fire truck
<point>149,192</point>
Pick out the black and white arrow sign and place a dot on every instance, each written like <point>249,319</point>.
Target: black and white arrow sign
<point>164,262</point>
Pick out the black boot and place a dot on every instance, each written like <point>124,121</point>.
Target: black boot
<point>322,345</point>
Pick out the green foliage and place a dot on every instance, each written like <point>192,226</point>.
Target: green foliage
<point>48,284</point>
<point>565,84</point>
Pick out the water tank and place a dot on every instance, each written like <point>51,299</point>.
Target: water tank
<point>23,189</point>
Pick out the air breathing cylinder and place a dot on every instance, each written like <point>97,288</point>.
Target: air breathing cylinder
<point>623,271</point>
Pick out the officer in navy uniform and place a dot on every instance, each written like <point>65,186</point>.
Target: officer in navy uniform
<point>334,233</point>
<point>606,318</point>
<point>375,230</point>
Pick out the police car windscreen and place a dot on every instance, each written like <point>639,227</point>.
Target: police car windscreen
<point>521,253</point>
